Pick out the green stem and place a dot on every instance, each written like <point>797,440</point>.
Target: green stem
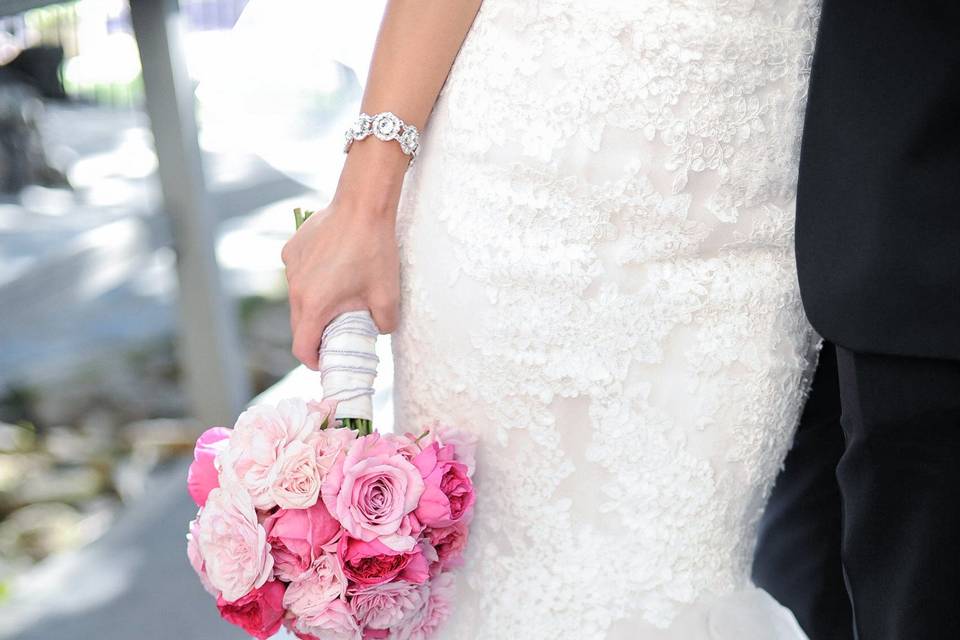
<point>300,216</point>
<point>362,426</point>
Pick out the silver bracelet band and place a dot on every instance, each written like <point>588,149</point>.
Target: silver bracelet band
<point>385,126</point>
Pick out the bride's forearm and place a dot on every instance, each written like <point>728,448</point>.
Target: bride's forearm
<point>416,46</point>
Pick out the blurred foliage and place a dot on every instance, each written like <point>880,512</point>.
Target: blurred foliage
<point>55,24</point>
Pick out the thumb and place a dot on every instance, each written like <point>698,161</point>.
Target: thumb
<point>385,315</point>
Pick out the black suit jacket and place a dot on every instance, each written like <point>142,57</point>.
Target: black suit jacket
<point>878,202</point>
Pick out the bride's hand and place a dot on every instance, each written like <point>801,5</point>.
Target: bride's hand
<point>345,258</point>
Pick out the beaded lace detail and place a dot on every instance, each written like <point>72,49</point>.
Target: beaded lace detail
<point>598,279</point>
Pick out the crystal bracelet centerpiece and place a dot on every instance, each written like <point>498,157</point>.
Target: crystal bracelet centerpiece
<point>384,126</point>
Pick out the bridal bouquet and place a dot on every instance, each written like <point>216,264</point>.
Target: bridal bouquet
<point>320,524</point>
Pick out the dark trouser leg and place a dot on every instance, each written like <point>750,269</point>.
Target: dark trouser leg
<point>798,555</point>
<point>900,483</point>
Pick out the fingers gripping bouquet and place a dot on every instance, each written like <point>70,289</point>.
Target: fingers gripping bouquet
<point>309,519</point>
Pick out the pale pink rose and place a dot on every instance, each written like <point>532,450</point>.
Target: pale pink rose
<point>370,563</point>
<point>196,560</point>
<point>202,474</point>
<point>255,449</point>
<point>464,443</point>
<point>449,543</point>
<point>233,544</point>
<point>307,597</point>
<point>297,481</point>
<point>297,538</point>
<point>329,445</point>
<point>371,489</point>
<point>326,410</point>
<point>448,495</point>
<point>437,597</point>
<point>259,613</point>
<point>385,605</point>
<point>334,622</point>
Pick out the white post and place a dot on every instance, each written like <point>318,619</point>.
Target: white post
<point>215,376</point>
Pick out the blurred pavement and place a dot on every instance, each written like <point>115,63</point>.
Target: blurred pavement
<point>90,271</point>
<point>134,582</point>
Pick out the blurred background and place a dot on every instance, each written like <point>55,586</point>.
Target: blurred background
<point>151,153</point>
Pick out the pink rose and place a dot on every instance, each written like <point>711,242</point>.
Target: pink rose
<point>329,444</point>
<point>259,612</point>
<point>448,492</point>
<point>202,474</point>
<point>297,538</point>
<point>372,489</point>
<point>371,563</point>
<point>297,481</point>
<point>334,622</point>
<point>449,543</point>
<point>464,443</point>
<point>233,544</point>
<point>196,560</point>
<point>384,606</point>
<point>255,453</point>
<point>437,596</point>
<point>407,444</point>
<point>307,597</point>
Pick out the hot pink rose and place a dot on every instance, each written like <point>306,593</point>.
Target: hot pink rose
<point>448,494</point>
<point>372,489</point>
<point>449,543</point>
<point>307,597</point>
<point>371,563</point>
<point>334,622</point>
<point>437,596</point>
<point>255,453</point>
<point>385,605</point>
<point>464,442</point>
<point>297,537</point>
<point>259,612</point>
<point>202,474</point>
<point>233,544</point>
<point>196,560</point>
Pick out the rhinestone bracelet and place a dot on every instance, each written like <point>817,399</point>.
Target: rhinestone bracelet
<point>385,126</point>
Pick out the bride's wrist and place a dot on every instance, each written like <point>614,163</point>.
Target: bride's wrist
<point>372,177</point>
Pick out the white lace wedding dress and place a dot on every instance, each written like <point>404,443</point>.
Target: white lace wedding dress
<point>598,279</point>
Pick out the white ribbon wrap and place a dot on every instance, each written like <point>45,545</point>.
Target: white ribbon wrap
<point>348,363</point>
